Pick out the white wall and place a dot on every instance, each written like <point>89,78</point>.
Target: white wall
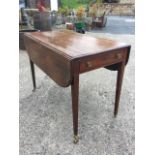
<point>127,1</point>
<point>54,5</point>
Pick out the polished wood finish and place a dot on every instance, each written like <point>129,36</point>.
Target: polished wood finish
<point>101,60</point>
<point>75,97</point>
<point>63,55</point>
<point>73,45</point>
<point>52,63</point>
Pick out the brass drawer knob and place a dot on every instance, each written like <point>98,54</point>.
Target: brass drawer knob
<point>89,64</point>
<point>118,55</point>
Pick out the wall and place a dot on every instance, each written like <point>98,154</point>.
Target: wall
<point>122,9</point>
<point>127,1</point>
<point>54,5</point>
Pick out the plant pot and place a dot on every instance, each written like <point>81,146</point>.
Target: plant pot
<point>70,26</point>
<point>112,1</point>
<point>80,27</point>
<point>21,37</point>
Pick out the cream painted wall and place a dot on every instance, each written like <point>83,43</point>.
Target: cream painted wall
<point>127,1</point>
<point>54,5</point>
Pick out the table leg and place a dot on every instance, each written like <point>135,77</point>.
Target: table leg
<point>33,75</point>
<point>75,96</point>
<point>120,74</point>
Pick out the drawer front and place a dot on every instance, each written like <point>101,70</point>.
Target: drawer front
<point>101,61</point>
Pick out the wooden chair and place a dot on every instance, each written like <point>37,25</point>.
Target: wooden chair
<point>100,21</point>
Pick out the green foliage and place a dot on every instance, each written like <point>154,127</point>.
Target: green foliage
<point>75,3</point>
<point>99,1</point>
<point>64,11</point>
<point>70,3</point>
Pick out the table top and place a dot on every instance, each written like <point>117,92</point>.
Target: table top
<point>63,53</point>
<point>75,45</point>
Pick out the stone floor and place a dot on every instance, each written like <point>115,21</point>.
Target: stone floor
<point>46,116</point>
<point>118,25</point>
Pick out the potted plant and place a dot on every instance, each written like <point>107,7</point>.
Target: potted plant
<point>80,25</point>
<point>63,12</point>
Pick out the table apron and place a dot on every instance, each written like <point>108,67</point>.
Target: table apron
<point>102,60</point>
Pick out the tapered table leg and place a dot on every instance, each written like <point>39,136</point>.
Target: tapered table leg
<point>75,96</point>
<point>33,75</point>
<point>120,74</point>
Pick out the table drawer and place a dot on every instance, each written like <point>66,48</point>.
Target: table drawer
<point>101,61</point>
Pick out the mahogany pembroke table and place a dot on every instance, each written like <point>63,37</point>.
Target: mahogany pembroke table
<point>63,55</point>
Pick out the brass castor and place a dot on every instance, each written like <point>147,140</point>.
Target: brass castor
<point>76,139</point>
